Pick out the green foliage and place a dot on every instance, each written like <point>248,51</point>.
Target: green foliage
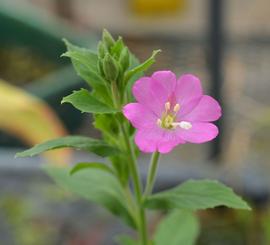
<point>142,67</point>
<point>110,68</point>
<point>197,194</point>
<point>78,142</point>
<point>117,48</point>
<point>85,102</point>
<point>84,165</point>
<point>178,228</point>
<point>125,240</point>
<point>85,63</point>
<point>107,39</point>
<point>96,185</point>
<point>124,58</point>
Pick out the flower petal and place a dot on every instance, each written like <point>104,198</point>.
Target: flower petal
<point>139,115</point>
<point>144,92</point>
<point>188,92</point>
<point>154,92</point>
<point>169,140</point>
<point>157,139</point>
<point>207,110</point>
<point>167,80</point>
<point>199,133</point>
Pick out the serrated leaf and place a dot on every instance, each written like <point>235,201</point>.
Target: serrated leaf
<point>178,228</point>
<point>142,67</point>
<point>85,63</point>
<point>95,185</point>
<point>197,194</point>
<point>78,142</point>
<point>85,165</point>
<point>85,102</point>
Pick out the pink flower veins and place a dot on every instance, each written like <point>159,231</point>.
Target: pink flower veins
<point>171,111</point>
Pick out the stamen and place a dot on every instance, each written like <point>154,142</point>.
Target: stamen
<point>159,122</point>
<point>167,106</point>
<point>176,108</point>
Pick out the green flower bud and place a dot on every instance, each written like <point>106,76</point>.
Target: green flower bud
<point>100,67</point>
<point>107,39</point>
<point>101,50</point>
<point>110,68</point>
<point>124,59</point>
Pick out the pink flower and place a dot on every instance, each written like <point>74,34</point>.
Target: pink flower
<point>171,111</point>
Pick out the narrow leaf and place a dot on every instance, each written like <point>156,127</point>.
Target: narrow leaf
<point>142,67</point>
<point>85,102</point>
<point>94,185</point>
<point>197,194</point>
<point>78,142</point>
<point>179,227</point>
<point>85,165</point>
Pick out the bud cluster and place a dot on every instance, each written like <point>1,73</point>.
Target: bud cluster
<point>113,58</point>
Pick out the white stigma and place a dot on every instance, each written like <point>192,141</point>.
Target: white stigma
<point>176,108</point>
<point>167,106</point>
<point>183,125</point>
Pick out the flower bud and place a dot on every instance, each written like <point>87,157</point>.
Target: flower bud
<point>124,59</point>
<point>110,68</point>
<point>100,67</point>
<point>107,39</point>
<point>101,50</point>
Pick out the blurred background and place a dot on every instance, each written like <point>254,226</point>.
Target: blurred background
<point>225,43</point>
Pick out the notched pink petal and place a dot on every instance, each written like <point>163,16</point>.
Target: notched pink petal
<point>139,115</point>
<point>169,141</point>
<point>144,94</point>
<point>199,133</point>
<point>207,110</point>
<point>188,89</point>
<point>147,139</point>
<point>157,139</point>
<point>166,79</point>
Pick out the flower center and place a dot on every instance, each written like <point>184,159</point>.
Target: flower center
<point>168,119</point>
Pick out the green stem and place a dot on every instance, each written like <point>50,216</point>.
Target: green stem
<point>115,94</point>
<point>152,173</point>
<point>137,187</point>
<point>133,170</point>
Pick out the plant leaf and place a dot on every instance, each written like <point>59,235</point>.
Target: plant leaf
<point>85,165</point>
<point>95,185</point>
<point>125,240</point>
<point>78,142</point>
<point>142,67</point>
<point>197,194</point>
<point>179,227</point>
<point>85,102</point>
<point>85,63</point>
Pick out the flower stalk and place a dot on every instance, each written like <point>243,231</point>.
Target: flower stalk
<point>152,172</point>
<point>140,212</point>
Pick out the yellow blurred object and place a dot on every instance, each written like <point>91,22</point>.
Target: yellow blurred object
<point>157,7</point>
<point>31,120</point>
